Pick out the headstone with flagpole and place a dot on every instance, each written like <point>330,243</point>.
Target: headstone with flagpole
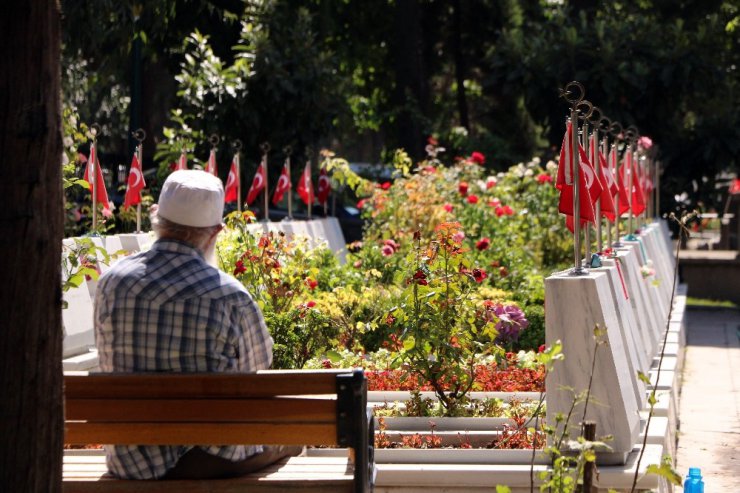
<point>283,184</point>
<point>265,147</point>
<point>616,131</point>
<point>232,189</point>
<point>211,166</point>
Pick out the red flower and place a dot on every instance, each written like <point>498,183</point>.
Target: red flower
<point>239,269</point>
<point>508,210</point>
<point>463,188</point>
<point>499,211</point>
<point>432,141</point>
<point>543,178</point>
<point>430,169</point>
<point>483,243</point>
<point>494,202</point>
<point>361,203</point>
<point>541,349</point>
<point>386,185</point>
<point>490,182</point>
<point>310,304</point>
<point>420,278</point>
<point>311,283</point>
<point>479,275</point>
<point>478,158</point>
<point>357,264</point>
<point>387,250</point>
<point>472,199</point>
<point>326,364</point>
<point>448,207</point>
<point>503,271</point>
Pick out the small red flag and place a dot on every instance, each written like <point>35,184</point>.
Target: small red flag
<point>624,198</point>
<point>231,191</point>
<point>735,186</point>
<point>101,194</point>
<point>324,187</point>
<point>589,191</point>
<point>258,183</point>
<point>305,185</point>
<point>283,185</point>
<point>609,181</point>
<point>135,184</point>
<point>565,164</point>
<point>211,166</point>
<point>182,163</point>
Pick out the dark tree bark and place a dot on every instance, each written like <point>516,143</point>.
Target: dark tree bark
<point>457,51</point>
<point>31,415</point>
<point>409,96</point>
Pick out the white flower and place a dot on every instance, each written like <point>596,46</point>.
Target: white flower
<point>529,172</point>
<point>551,165</point>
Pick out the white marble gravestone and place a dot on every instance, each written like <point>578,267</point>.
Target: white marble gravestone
<point>641,306</point>
<point>637,359</point>
<point>574,305</point>
<point>77,320</point>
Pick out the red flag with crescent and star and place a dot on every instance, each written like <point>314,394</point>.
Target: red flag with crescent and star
<point>305,185</point>
<point>211,166</point>
<point>135,184</point>
<point>324,187</point>
<point>589,186</point>
<point>283,185</point>
<point>624,198</point>
<point>231,190</point>
<point>101,195</point>
<point>258,183</point>
<point>182,163</point>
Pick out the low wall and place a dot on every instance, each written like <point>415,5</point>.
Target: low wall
<point>713,274</point>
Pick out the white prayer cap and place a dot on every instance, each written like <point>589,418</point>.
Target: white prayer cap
<point>192,198</point>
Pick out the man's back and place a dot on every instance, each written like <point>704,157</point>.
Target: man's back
<point>168,310</point>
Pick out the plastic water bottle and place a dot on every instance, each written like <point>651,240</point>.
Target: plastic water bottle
<point>693,483</point>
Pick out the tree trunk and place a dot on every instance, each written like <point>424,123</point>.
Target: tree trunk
<point>462,103</point>
<point>409,91</point>
<point>31,422</point>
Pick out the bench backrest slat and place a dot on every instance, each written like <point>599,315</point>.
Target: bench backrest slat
<point>204,433</point>
<point>312,410</point>
<point>205,386</point>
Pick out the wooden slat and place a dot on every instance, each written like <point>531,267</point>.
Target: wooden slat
<point>206,386</point>
<point>215,410</point>
<point>201,433</point>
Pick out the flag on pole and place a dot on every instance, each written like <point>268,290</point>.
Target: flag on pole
<point>735,187</point>
<point>283,185</point>
<point>258,183</point>
<point>305,185</point>
<point>624,199</point>
<point>608,209</point>
<point>565,173</point>
<point>589,189</point>
<point>211,166</point>
<point>182,163</point>
<point>231,191</point>
<point>101,196</point>
<point>135,184</point>
<point>324,187</point>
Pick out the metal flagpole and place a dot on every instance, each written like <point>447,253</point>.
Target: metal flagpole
<point>616,130</point>
<point>593,153</point>
<point>288,150</point>
<point>584,133</point>
<point>237,145</point>
<point>139,135</point>
<point>94,174</point>
<point>266,149</point>
<point>631,138</point>
<point>603,147</point>
<point>575,101</point>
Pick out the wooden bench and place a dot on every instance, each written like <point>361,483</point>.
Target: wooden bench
<point>324,408</point>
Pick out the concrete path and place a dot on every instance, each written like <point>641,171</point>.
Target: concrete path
<point>709,411</point>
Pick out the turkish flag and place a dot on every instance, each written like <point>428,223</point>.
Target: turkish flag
<point>135,184</point>
<point>258,183</point>
<point>589,190</point>
<point>565,164</point>
<point>101,195</point>
<point>609,180</point>
<point>324,187</point>
<point>624,198</point>
<point>638,194</point>
<point>211,166</point>
<point>283,184</point>
<point>734,187</point>
<point>305,186</point>
<point>182,163</point>
<point>606,198</point>
<point>231,191</point>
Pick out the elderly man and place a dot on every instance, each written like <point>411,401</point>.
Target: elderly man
<point>168,310</point>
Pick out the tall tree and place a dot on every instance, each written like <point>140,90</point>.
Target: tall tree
<point>31,423</point>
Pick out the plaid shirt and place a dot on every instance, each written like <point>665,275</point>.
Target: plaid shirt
<point>167,310</point>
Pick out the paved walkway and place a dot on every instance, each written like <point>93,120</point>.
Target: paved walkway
<point>709,412</point>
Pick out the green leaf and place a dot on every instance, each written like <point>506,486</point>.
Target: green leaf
<point>666,471</point>
<point>333,356</point>
<point>409,343</point>
<point>643,378</point>
<point>502,489</point>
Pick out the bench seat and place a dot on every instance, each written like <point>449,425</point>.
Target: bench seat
<point>88,474</point>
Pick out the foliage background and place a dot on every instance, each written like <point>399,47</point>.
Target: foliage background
<point>367,77</point>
